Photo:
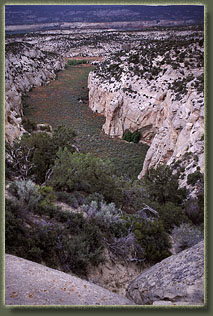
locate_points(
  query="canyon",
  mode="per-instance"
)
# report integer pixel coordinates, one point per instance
(161, 97)
(150, 82)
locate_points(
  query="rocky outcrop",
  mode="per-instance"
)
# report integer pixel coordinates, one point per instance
(177, 280)
(25, 67)
(162, 100)
(30, 283)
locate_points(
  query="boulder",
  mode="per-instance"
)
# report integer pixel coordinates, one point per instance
(175, 280)
(30, 283)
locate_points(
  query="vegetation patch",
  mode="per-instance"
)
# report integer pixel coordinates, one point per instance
(132, 137)
(74, 62)
(58, 104)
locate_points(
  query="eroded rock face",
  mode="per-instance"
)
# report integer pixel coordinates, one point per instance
(25, 67)
(114, 274)
(166, 105)
(175, 280)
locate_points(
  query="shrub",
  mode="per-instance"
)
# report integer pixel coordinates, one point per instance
(97, 197)
(34, 155)
(27, 192)
(67, 198)
(47, 193)
(136, 137)
(33, 198)
(63, 137)
(153, 239)
(194, 177)
(79, 251)
(18, 160)
(42, 154)
(87, 173)
(47, 197)
(163, 186)
(70, 243)
(14, 228)
(28, 125)
(134, 196)
(186, 236)
(132, 137)
(107, 217)
(127, 248)
(127, 136)
(171, 215)
(46, 240)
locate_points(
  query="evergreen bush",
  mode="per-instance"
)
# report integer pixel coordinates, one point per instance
(171, 215)
(132, 137)
(127, 136)
(153, 239)
(136, 137)
(162, 185)
(87, 173)
(194, 177)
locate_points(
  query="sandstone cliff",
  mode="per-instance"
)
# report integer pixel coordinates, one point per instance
(25, 67)
(156, 89)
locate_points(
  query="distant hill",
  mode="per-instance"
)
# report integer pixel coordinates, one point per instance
(40, 14)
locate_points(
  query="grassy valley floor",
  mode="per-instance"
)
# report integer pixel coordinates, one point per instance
(58, 104)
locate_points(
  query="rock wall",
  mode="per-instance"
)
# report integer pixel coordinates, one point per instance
(177, 280)
(167, 109)
(25, 67)
(170, 128)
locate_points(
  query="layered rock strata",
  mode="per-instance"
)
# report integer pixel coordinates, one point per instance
(177, 280)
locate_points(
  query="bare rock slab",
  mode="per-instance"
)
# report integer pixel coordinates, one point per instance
(175, 280)
(30, 283)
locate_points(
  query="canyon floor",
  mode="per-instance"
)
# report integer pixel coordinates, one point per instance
(64, 101)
